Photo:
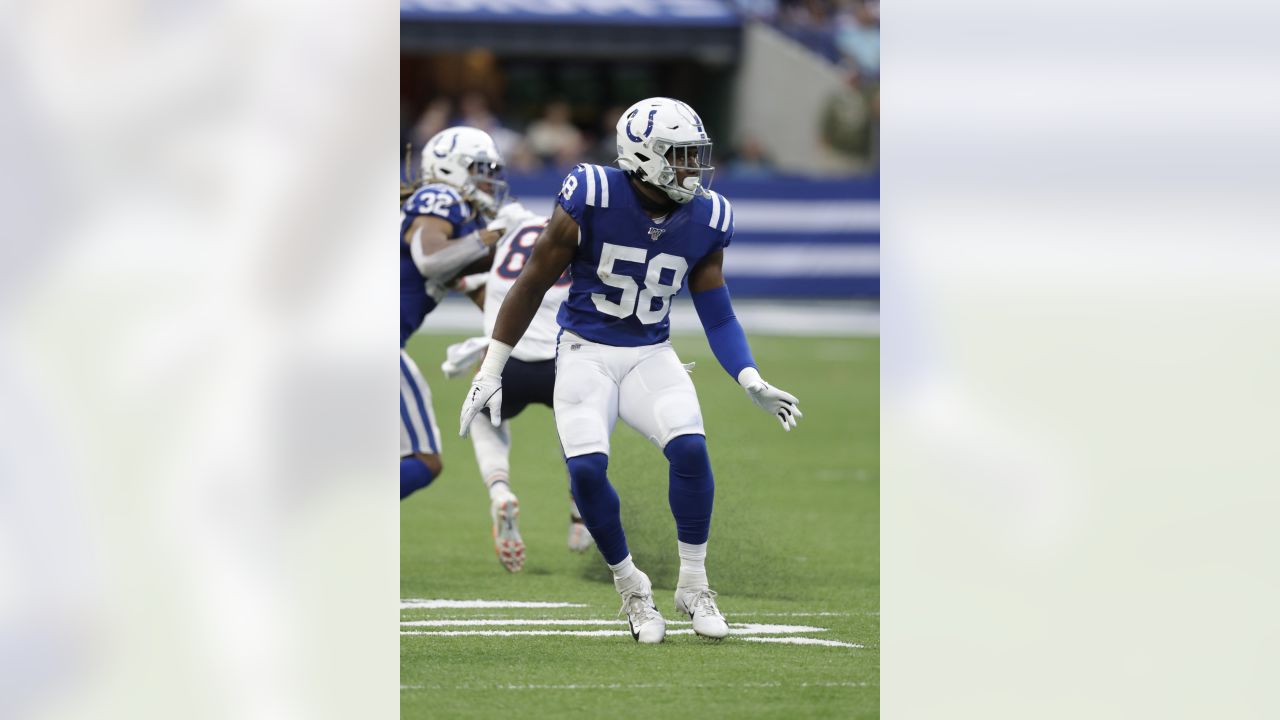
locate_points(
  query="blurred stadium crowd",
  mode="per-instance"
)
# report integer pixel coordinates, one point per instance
(548, 129)
(788, 90)
(846, 32)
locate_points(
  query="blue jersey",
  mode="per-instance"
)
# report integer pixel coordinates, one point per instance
(436, 200)
(628, 267)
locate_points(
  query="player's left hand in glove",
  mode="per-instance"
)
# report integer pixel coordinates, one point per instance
(779, 403)
(485, 392)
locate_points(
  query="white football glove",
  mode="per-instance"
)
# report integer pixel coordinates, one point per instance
(470, 283)
(485, 392)
(461, 357)
(781, 404)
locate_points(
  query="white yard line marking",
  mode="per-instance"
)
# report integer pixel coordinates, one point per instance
(801, 641)
(797, 614)
(741, 631)
(536, 633)
(636, 686)
(618, 633)
(763, 614)
(767, 629)
(410, 603)
(477, 623)
(511, 633)
(747, 628)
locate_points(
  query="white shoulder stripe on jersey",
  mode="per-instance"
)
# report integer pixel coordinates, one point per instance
(444, 190)
(591, 184)
(604, 186)
(728, 215)
(715, 210)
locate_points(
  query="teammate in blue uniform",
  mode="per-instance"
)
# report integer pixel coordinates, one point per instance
(442, 235)
(631, 237)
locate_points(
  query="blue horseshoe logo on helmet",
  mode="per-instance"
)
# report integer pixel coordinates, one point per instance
(452, 144)
(648, 129)
(697, 123)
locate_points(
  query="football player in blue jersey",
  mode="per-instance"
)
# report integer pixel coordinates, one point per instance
(442, 235)
(630, 236)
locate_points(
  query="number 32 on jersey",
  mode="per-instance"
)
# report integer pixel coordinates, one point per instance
(634, 299)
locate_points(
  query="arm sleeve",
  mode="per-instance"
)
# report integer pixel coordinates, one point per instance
(445, 203)
(724, 332)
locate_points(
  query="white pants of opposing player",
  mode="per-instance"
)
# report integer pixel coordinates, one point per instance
(646, 386)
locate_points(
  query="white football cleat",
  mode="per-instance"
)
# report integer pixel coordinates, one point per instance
(580, 539)
(647, 625)
(506, 534)
(700, 605)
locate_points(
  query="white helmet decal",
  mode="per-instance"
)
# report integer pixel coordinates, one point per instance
(441, 151)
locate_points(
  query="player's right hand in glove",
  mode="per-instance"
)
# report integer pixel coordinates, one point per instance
(782, 405)
(485, 392)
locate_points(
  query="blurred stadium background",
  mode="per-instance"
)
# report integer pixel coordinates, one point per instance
(788, 88)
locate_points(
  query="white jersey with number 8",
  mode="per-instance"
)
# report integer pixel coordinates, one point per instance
(510, 255)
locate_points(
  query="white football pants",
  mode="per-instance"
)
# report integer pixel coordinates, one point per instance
(646, 386)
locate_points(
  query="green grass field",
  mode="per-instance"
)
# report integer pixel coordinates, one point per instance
(794, 542)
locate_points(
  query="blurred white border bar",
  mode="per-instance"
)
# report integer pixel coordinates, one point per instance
(783, 216)
(802, 260)
(841, 318)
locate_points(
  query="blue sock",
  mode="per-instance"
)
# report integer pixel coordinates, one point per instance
(691, 488)
(414, 475)
(598, 503)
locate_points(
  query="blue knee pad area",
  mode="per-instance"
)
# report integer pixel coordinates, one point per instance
(414, 475)
(692, 487)
(598, 504)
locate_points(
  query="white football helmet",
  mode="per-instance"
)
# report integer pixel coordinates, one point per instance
(467, 159)
(663, 142)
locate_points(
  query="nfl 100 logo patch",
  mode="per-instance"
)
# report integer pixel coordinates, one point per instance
(655, 233)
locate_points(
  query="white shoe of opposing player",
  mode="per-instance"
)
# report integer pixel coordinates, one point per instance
(647, 625)
(506, 533)
(700, 605)
(580, 539)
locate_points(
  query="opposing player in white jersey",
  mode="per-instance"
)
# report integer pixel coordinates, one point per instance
(529, 375)
(630, 237)
(442, 235)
